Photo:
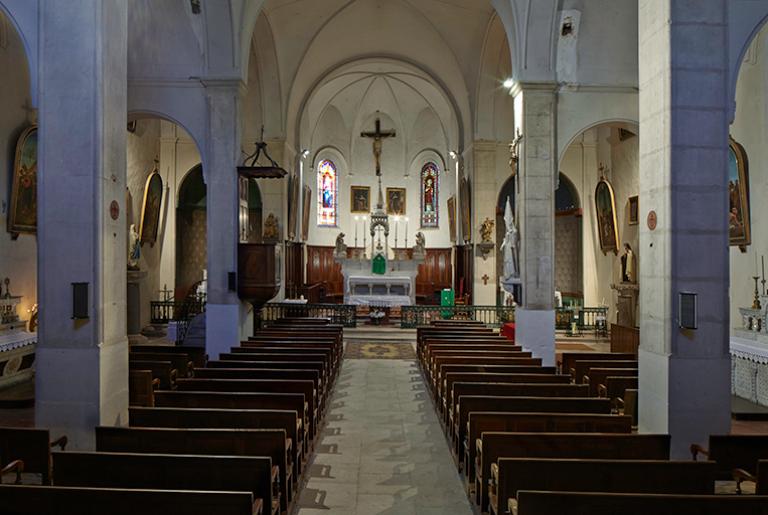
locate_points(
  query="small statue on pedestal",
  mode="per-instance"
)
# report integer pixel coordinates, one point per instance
(134, 248)
(628, 265)
(421, 243)
(270, 233)
(341, 247)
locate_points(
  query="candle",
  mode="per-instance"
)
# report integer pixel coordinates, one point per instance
(397, 219)
(756, 270)
(763, 259)
(406, 231)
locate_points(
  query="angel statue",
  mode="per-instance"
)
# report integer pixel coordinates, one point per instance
(134, 248)
(341, 247)
(509, 246)
(421, 243)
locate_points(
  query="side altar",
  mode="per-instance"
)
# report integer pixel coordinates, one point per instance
(749, 352)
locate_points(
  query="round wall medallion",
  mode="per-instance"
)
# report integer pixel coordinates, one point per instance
(114, 210)
(652, 220)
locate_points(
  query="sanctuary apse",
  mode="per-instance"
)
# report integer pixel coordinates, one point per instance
(612, 217)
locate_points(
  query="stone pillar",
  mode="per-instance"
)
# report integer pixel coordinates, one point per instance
(535, 117)
(223, 311)
(82, 365)
(484, 196)
(684, 374)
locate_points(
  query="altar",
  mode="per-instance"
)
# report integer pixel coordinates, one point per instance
(396, 287)
(749, 353)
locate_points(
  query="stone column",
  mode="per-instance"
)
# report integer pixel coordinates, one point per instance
(224, 310)
(535, 117)
(82, 365)
(684, 374)
(484, 196)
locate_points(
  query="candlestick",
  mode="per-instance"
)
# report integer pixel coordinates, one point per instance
(397, 219)
(763, 260)
(365, 234)
(406, 232)
(356, 220)
(756, 302)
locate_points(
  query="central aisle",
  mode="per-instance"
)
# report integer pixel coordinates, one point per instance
(382, 450)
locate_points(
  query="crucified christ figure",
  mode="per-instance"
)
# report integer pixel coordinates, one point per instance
(378, 136)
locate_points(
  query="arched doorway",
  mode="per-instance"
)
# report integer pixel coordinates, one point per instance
(191, 234)
(569, 268)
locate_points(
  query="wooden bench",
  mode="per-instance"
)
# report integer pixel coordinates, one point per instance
(760, 480)
(289, 354)
(443, 393)
(494, 445)
(32, 447)
(307, 388)
(511, 475)
(567, 359)
(37, 500)
(484, 368)
(271, 443)
(577, 503)
(614, 387)
(180, 360)
(170, 472)
(456, 420)
(196, 354)
(732, 452)
(164, 371)
(266, 373)
(141, 388)
(598, 376)
(478, 360)
(203, 418)
(511, 422)
(280, 357)
(314, 347)
(224, 400)
(581, 368)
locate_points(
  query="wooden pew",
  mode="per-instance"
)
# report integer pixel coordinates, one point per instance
(484, 368)
(225, 400)
(460, 389)
(465, 343)
(164, 371)
(196, 354)
(444, 391)
(567, 359)
(510, 475)
(320, 345)
(32, 447)
(38, 500)
(478, 360)
(258, 385)
(141, 388)
(170, 472)
(732, 452)
(578, 503)
(597, 377)
(272, 443)
(289, 353)
(582, 367)
(510, 422)
(760, 480)
(180, 361)
(266, 373)
(206, 418)
(494, 445)
(614, 387)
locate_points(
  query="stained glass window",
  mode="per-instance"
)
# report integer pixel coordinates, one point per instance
(430, 180)
(327, 187)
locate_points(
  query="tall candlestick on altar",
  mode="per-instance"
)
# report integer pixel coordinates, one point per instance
(365, 234)
(397, 219)
(406, 232)
(356, 220)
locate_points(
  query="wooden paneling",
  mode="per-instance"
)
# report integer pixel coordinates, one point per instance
(294, 269)
(322, 268)
(434, 274)
(624, 339)
(464, 270)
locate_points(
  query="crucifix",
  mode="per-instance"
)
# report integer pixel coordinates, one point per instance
(514, 152)
(378, 136)
(485, 279)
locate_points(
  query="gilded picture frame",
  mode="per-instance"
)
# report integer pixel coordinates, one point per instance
(605, 211)
(360, 199)
(396, 201)
(22, 217)
(465, 197)
(634, 211)
(150, 209)
(739, 219)
(293, 204)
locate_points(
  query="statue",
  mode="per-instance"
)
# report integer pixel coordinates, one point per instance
(486, 230)
(509, 247)
(341, 247)
(421, 243)
(270, 229)
(628, 265)
(134, 248)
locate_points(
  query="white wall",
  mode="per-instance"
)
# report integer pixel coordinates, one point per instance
(750, 129)
(18, 259)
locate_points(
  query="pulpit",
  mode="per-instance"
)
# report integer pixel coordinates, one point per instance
(258, 273)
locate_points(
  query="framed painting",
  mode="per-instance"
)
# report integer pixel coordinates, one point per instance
(396, 201)
(305, 218)
(360, 199)
(293, 204)
(634, 210)
(466, 209)
(150, 210)
(605, 210)
(452, 218)
(739, 223)
(23, 214)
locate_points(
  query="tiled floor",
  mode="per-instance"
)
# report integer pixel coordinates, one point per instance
(382, 450)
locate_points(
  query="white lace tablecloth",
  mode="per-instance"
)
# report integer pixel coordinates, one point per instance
(383, 301)
(16, 340)
(752, 351)
(749, 370)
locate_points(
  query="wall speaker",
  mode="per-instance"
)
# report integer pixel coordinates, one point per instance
(79, 301)
(688, 310)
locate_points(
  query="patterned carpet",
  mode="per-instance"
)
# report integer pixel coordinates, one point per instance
(379, 351)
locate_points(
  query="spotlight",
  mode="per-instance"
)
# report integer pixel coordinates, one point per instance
(305, 153)
(452, 154)
(509, 83)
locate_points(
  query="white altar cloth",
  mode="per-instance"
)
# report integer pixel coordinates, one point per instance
(16, 340)
(397, 287)
(749, 366)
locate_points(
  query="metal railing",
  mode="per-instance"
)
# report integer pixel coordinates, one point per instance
(586, 318)
(164, 311)
(492, 316)
(342, 314)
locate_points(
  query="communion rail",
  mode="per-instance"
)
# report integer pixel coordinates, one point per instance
(586, 318)
(341, 314)
(492, 316)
